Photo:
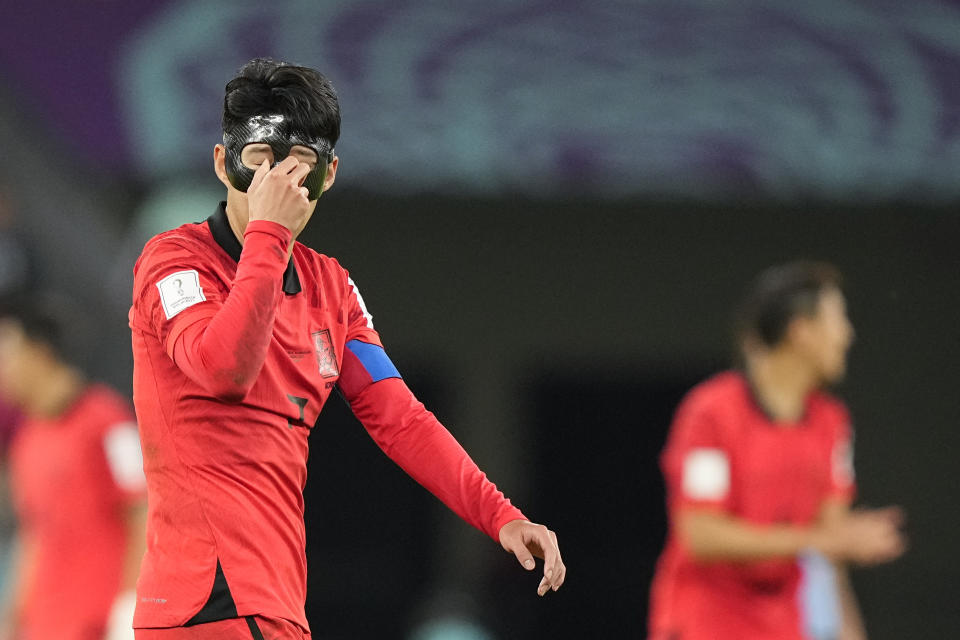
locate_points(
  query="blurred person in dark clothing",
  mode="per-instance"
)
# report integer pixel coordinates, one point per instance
(759, 470)
(76, 476)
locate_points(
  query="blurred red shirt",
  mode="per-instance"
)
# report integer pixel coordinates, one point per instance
(72, 479)
(724, 453)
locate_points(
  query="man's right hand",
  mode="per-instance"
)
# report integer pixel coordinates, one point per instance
(277, 194)
(863, 536)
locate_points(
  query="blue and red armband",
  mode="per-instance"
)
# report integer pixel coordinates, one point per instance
(364, 364)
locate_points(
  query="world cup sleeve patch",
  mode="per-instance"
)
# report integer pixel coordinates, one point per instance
(706, 474)
(326, 356)
(179, 291)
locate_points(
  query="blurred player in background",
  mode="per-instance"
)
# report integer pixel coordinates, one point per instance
(15, 276)
(240, 334)
(77, 481)
(758, 468)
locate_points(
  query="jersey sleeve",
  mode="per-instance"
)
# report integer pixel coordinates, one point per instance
(697, 462)
(112, 430)
(414, 439)
(121, 448)
(842, 482)
(409, 434)
(219, 341)
(359, 319)
(173, 288)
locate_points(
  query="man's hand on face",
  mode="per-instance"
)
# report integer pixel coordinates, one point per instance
(277, 194)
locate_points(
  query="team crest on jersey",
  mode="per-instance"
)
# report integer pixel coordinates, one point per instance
(326, 356)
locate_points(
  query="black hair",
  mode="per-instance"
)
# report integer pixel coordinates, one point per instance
(44, 319)
(780, 294)
(300, 94)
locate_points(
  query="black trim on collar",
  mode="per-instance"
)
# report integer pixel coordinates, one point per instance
(223, 234)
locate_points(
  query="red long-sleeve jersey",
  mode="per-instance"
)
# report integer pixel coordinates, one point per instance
(236, 349)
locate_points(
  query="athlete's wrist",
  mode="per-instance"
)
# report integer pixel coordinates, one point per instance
(269, 227)
(505, 518)
(821, 540)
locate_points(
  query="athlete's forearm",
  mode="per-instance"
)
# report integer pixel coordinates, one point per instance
(713, 536)
(224, 353)
(413, 438)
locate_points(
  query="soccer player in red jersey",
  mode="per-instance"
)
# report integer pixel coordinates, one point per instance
(240, 334)
(758, 468)
(77, 482)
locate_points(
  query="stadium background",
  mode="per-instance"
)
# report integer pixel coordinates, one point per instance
(551, 208)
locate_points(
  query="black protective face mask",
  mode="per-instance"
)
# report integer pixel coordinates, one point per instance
(278, 132)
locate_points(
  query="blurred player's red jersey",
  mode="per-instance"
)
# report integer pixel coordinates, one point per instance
(724, 453)
(225, 531)
(72, 477)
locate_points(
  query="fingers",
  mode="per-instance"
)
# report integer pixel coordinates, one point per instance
(560, 571)
(259, 174)
(893, 513)
(290, 170)
(896, 541)
(551, 555)
(278, 195)
(525, 558)
(553, 568)
(287, 165)
(544, 586)
(877, 538)
(295, 171)
(525, 540)
(896, 515)
(299, 173)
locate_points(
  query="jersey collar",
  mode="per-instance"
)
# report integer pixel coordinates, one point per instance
(223, 234)
(754, 398)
